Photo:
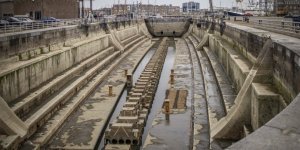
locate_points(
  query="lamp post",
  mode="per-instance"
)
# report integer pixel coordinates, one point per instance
(91, 6)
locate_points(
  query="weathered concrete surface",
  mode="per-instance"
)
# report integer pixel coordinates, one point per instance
(225, 85)
(265, 104)
(44, 61)
(29, 102)
(228, 125)
(12, 44)
(69, 65)
(282, 132)
(86, 124)
(200, 116)
(17, 79)
(10, 124)
(286, 54)
(237, 54)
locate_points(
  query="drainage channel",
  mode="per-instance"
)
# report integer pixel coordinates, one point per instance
(161, 90)
(127, 130)
(173, 131)
(136, 73)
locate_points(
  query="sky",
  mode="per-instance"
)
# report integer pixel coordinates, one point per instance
(203, 3)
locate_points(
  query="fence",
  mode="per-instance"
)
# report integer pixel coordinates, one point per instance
(287, 26)
(25, 26)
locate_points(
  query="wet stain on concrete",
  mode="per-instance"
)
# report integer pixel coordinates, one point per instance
(79, 135)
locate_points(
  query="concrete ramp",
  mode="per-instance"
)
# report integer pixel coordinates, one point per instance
(114, 39)
(189, 31)
(143, 29)
(228, 127)
(10, 124)
(203, 42)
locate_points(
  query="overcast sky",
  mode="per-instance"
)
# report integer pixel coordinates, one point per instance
(203, 3)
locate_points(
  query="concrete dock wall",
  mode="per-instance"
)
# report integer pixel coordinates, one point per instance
(15, 43)
(276, 82)
(46, 54)
(127, 33)
(248, 42)
(20, 80)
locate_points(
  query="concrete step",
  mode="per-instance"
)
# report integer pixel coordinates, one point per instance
(225, 84)
(133, 42)
(266, 103)
(128, 40)
(39, 117)
(196, 37)
(24, 106)
(44, 134)
(9, 141)
(216, 106)
(8, 68)
(14, 89)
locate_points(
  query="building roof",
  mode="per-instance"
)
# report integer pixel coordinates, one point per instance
(2, 1)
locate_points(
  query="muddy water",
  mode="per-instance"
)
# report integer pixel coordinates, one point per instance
(136, 73)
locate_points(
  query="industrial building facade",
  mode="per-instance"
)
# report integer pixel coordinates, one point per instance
(190, 7)
(145, 9)
(37, 9)
(63, 9)
(285, 7)
(6, 8)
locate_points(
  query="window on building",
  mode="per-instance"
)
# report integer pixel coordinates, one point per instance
(31, 14)
(38, 15)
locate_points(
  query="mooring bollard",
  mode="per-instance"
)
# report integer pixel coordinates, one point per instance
(167, 106)
(110, 90)
(126, 72)
(172, 71)
(167, 109)
(172, 78)
(129, 81)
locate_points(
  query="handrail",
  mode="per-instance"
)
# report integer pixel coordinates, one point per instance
(19, 27)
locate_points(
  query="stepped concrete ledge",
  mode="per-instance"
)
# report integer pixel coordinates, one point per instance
(45, 134)
(61, 88)
(15, 78)
(38, 116)
(126, 41)
(98, 107)
(11, 67)
(288, 41)
(225, 84)
(25, 104)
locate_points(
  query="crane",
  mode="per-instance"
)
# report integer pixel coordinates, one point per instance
(212, 9)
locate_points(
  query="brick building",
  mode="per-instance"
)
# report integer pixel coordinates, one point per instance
(166, 10)
(145, 10)
(6, 8)
(103, 11)
(121, 9)
(284, 7)
(37, 9)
